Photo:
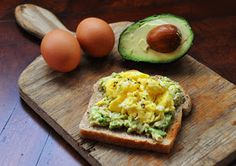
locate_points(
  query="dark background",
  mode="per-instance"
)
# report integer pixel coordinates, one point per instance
(25, 139)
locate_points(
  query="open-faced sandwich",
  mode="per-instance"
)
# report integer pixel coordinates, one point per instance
(136, 110)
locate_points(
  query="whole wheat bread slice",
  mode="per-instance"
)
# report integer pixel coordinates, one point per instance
(132, 140)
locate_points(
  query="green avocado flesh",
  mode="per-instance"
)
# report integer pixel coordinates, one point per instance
(103, 117)
(133, 45)
(100, 117)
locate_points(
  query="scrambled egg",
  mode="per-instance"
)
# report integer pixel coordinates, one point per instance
(138, 95)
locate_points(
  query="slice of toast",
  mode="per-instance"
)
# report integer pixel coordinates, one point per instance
(132, 140)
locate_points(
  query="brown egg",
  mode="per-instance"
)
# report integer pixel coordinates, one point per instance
(95, 37)
(61, 50)
(164, 38)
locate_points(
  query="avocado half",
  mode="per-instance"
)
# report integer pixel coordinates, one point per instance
(133, 46)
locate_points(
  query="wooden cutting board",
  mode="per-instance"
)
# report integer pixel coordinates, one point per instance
(208, 134)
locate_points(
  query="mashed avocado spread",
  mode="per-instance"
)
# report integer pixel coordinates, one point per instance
(137, 102)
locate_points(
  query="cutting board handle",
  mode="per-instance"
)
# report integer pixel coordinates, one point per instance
(37, 20)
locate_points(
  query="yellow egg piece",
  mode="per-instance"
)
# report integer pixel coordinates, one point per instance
(138, 95)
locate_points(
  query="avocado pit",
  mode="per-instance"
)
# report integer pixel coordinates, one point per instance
(164, 38)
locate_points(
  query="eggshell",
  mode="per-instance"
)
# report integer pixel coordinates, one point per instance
(95, 37)
(61, 50)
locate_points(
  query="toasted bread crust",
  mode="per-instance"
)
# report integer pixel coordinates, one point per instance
(131, 140)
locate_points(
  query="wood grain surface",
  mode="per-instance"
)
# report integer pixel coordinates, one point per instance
(21, 129)
(208, 135)
(37, 20)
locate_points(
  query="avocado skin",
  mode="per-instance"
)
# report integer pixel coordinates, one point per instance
(143, 21)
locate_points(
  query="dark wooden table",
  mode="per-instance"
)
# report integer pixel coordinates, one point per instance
(25, 139)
